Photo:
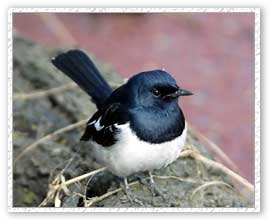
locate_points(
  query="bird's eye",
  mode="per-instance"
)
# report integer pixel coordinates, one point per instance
(156, 92)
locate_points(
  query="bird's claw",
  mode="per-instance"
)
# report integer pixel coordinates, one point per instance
(152, 186)
(131, 198)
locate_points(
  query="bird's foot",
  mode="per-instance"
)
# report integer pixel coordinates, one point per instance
(152, 186)
(132, 199)
(154, 189)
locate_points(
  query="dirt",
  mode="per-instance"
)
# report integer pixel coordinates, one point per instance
(37, 117)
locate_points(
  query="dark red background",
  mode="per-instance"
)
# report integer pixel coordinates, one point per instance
(211, 54)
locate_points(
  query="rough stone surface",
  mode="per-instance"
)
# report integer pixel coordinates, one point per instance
(35, 118)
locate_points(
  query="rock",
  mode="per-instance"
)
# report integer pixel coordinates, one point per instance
(34, 118)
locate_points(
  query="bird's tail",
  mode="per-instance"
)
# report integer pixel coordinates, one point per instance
(78, 66)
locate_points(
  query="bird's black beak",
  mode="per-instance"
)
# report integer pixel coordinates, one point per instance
(183, 92)
(180, 92)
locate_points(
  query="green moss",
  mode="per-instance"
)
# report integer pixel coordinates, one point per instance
(28, 197)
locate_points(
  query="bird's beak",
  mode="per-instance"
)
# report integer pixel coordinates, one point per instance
(180, 92)
(183, 92)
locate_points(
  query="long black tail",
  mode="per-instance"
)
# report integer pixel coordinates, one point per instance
(78, 66)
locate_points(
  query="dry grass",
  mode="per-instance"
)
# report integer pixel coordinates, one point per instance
(59, 184)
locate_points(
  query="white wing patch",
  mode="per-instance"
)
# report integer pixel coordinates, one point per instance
(92, 122)
(97, 125)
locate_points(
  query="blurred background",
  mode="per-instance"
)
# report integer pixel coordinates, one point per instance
(211, 54)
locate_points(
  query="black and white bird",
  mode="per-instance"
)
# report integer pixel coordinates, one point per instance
(138, 126)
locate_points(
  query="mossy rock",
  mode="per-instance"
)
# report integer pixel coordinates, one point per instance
(37, 117)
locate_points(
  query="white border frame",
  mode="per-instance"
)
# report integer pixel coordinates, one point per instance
(133, 10)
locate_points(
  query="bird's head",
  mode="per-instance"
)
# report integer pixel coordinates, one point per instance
(155, 88)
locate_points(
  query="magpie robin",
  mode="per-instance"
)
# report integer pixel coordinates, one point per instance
(138, 126)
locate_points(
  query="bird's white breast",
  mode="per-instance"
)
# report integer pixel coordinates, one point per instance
(130, 154)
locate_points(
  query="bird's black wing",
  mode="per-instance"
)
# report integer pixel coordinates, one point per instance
(102, 127)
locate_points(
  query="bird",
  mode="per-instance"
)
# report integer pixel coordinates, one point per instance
(139, 126)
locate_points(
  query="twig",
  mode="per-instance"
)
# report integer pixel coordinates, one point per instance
(57, 200)
(244, 187)
(49, 136)
(210, 145)
(42, 93)
(53, 91)
(51, 192)
(84, 176)
(64, 185)
(208, 184)
(86, 187)
(94, 200)
(56, 186)
(177, 178)
(59, 186)
(202, 186)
